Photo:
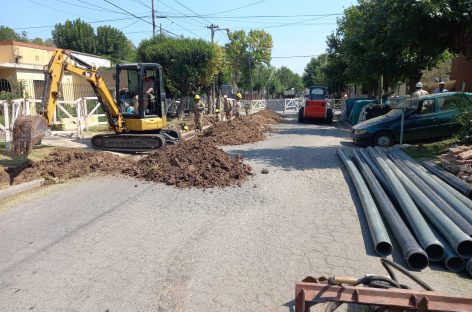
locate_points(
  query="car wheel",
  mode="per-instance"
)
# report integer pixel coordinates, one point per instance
(383, 139)
(329, 116)
(300, 115)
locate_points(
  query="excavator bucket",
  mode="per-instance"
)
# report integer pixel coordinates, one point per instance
(27, 132)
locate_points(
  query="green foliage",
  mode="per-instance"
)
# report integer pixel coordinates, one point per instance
(289, 79)
(37, 41)
(464, 103)
(80, 36)
(244, 52)
(189, 64)
(7, 33)
(113, 42)
(15, 92)
(314, 73)
(398, 39)
(430, 150)
(75, 35)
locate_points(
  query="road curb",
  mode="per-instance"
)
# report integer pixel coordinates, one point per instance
(15, 189)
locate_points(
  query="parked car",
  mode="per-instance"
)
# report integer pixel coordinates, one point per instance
(429, 117)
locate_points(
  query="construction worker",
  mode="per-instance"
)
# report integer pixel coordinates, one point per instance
(198, 109)
(441, 88)
(237, 105)
(419, 90)
(227, 107)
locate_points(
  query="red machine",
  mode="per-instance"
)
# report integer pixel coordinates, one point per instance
(317, 106)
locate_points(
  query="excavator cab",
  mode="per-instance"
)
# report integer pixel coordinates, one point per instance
(136, 114)
(140, 91)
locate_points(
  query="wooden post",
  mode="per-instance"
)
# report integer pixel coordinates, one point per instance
(7, 127)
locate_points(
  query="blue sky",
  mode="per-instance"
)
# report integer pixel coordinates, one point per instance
(301, 31)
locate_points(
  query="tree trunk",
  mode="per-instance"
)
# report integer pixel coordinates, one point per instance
(413, 78)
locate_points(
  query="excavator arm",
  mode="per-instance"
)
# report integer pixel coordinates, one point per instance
(29, 130)
(54, 71)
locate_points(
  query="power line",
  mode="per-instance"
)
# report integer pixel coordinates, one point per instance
(144, 4)
(92, 22)
(256, 16)
(235, 9)
(295, 56)
(127, 12)
(54, 9)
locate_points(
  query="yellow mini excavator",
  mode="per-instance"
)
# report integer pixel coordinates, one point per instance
(137, 114)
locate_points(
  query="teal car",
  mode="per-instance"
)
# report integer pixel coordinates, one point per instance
(429, 117)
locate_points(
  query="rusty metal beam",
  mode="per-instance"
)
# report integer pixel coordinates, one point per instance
(415, 300)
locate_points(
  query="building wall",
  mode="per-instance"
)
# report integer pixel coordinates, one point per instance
(6, 54)
(461, 72)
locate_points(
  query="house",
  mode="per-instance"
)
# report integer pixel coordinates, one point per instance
(461, 72)
(22, 63)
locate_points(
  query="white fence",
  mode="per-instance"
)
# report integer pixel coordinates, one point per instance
(79, 114)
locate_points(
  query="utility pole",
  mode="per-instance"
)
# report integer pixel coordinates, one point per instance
(153, 19)
(213, 29)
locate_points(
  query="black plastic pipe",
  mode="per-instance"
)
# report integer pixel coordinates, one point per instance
(378, 174)
(456, 200)
(450, 212)
(378, 232)
(451, 260)
(414, 255)
(462, 186)
(418, 225)
(468, 266)
(460, 241)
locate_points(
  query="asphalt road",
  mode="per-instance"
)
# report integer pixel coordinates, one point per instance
(118, 244)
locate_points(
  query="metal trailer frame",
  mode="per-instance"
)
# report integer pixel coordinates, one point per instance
(308, 294)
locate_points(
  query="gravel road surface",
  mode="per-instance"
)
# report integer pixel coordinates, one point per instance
(118, 244)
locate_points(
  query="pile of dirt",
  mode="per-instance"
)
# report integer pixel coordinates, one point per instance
(4, 177)
(238, 131)
(266, 116)
(192, 163)
(67, 163)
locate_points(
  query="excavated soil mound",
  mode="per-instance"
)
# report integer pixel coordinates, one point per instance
(266, 116)
(4, 177)
(192, 163)
(66, 163)
(236, 132)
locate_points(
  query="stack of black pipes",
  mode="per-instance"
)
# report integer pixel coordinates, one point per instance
(428, 210)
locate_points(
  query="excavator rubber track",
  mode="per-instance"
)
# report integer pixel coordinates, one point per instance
(27, 132)
(135, 142)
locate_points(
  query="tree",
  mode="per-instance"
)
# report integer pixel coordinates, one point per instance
(189, 64)
(384, 37)
(7, 33)
(37, 41)
(244, 52)
(75, 35)
(112, 42)
(49, 43)
(289, 80)
(314, 73)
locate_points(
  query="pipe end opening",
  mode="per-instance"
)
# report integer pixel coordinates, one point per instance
(464, 249)
(455, 264)
(418, 261)
(384, 249)
(435, 252)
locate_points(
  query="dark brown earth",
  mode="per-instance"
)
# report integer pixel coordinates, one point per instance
(4, 177)
(243, 130)
(192, 163)
(66, 163)
(235, 132)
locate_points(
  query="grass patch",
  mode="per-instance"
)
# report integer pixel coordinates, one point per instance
(8, 159)
(430, 150)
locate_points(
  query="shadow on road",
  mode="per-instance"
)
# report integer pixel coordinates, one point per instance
(293, 157)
